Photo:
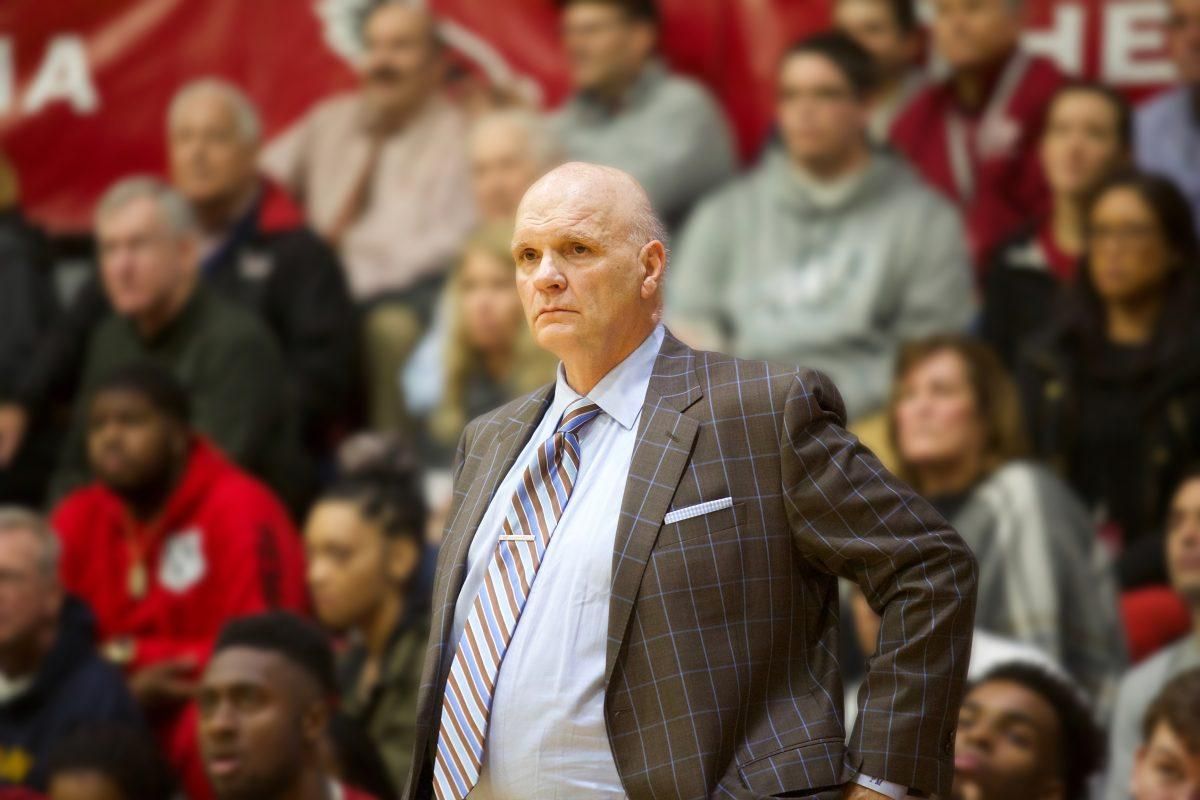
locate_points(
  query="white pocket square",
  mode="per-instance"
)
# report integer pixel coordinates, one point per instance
(708, 507)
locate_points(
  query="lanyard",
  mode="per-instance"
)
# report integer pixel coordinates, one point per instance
(990, 123)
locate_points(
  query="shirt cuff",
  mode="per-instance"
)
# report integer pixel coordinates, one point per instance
(893, 790)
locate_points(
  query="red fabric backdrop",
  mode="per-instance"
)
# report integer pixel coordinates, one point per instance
(84, 84)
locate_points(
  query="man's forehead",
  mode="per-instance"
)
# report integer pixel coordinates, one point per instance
(547, 214)
(245, 666)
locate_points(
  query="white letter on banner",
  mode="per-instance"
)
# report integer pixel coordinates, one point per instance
(1063, 41)
(1133, 44)
(63, 75)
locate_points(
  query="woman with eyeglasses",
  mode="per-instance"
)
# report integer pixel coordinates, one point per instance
(1112, 389)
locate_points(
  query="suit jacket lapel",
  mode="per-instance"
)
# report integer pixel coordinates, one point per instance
(664, 444)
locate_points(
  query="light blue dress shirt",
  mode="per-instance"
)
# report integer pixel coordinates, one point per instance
(546, 735)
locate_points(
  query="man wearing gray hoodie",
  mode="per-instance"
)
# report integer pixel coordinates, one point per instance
(828, 254)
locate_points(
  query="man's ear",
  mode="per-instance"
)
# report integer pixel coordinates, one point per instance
(315, 721)
(401, 556)
(653, 259)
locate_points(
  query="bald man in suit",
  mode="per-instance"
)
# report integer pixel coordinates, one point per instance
(637, 590)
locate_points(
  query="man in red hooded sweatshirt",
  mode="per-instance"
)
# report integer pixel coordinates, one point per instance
(170, 543)
(974, 135)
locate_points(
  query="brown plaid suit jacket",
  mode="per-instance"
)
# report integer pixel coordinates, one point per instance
(722, 673)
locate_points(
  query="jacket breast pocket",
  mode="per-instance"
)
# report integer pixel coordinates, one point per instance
(704, 525)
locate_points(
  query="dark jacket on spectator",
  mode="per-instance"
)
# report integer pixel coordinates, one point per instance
(1023, 281)
(28, 308)
(275, 265)
(234, 374)
(388, 710)
(1120, 424)
(73, 686)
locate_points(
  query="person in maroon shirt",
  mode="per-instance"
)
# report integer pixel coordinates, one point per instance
(1088, 135)
(265, 702)
(974, 135)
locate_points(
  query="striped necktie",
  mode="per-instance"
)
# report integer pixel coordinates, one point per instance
(533, 512)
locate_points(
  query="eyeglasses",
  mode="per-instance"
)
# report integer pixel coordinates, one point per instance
(1124, 234)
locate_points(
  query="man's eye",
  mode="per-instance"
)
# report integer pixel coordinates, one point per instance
(528, 255)
(579, 249)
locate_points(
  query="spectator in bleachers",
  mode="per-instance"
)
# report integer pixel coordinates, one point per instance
(29, 307)
(956, 427)
(52, 680)
(225, 357)
(169, 543)
(828, 254)
(1112, 389)
(352, 758)
(256, 248)
(1025, 733)
(974, 135)
(488, 356)
(891, 32)
(509, 149)
(1140, 686)
(265, 702)
(1168, 127)
(365, 539)
(1087, 136)
(109, 762)
(383, 174)
(629, 111)
(1167, 764)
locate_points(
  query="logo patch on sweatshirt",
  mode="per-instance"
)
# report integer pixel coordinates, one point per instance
(181, 565)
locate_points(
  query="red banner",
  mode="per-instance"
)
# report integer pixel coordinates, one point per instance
(84, 84)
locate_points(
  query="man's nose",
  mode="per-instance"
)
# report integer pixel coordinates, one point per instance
(547, 276)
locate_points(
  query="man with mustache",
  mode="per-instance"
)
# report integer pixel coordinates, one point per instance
(382, 173)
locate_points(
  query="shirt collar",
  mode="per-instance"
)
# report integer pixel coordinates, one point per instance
(622, 392)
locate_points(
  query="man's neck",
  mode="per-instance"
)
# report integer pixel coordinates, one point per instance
(25, 659)
(149, 502)
(973, 85)
(220, 213)
(155, 320)
(614, 92)
(383, 121)
(831, 170)
(311, 784)
(587, 370)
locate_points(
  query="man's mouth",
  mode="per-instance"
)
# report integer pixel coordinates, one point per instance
(224, 764)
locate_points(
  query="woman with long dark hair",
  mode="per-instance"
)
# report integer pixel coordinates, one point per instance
(1112, 389)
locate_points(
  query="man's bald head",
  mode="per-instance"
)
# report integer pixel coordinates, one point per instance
(590, 263)
(612, 192)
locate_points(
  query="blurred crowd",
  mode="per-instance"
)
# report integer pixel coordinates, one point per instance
(226, 453)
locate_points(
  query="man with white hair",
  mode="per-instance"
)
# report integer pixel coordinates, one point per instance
(679, 641)
(382, 175)
(255, 249)
(148, 243)
(509, 149)
(52, 680)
